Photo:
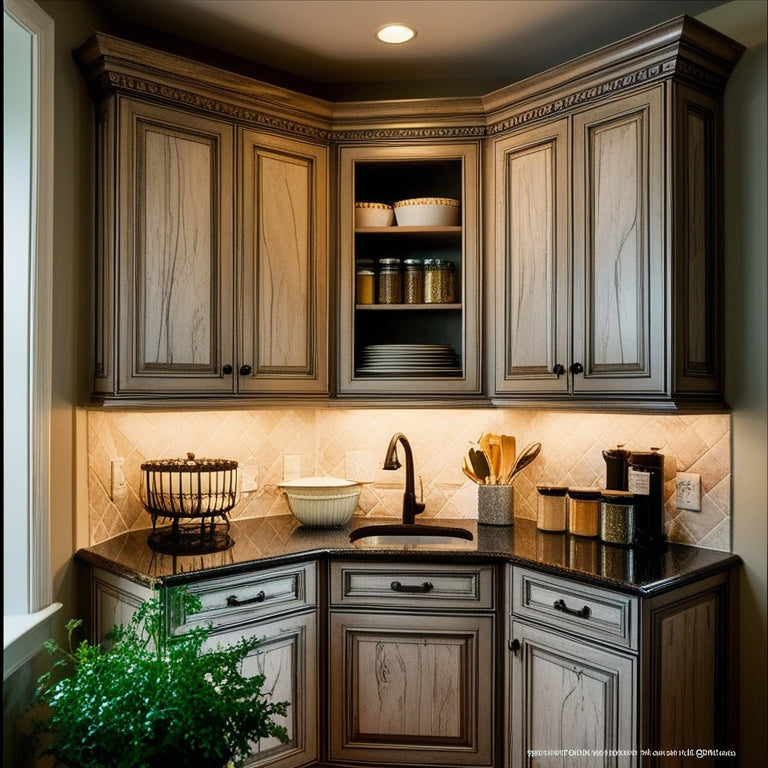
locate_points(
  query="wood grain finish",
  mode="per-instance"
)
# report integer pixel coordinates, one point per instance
(411, 689)
(569, 695)
(284, 258)
(532, 288)
(619, 302)
(176, 250)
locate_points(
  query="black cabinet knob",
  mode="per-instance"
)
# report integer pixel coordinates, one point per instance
(514, 646)
(227, 369)
(577, 368)
(558, 369)
(245, 370)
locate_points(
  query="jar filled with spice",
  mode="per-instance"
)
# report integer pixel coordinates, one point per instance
(583, 511)
(439, 282)
(551, 509)
(617, 517)
(413, 281)
(390, 282)
(365, 281)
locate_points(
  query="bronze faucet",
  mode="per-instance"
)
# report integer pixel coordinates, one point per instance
(411, 507)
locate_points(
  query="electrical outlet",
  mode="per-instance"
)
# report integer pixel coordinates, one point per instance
(688, 485)
(117, 485)
(291, 466)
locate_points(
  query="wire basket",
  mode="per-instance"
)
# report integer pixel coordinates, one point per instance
(189, 488)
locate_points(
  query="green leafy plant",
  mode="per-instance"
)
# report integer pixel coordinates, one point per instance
(153, 699)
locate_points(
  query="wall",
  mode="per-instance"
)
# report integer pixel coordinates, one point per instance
(746, 288)
(351, 443)
(746, 202)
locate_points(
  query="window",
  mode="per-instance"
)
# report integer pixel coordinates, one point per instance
(27, 253)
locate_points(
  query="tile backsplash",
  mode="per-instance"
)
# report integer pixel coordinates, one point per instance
(352, 442)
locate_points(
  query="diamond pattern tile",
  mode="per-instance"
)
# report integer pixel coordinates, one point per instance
(571, 454)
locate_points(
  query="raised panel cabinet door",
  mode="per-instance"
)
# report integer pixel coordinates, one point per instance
(284, 319)
(174, 297)
(412, 690)
(531, 275)
(287, 657)
(620, 291)
(572, 703)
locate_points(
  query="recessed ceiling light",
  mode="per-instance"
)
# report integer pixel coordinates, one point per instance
(395, 33)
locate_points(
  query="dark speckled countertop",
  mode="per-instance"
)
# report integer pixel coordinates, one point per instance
(270, 541)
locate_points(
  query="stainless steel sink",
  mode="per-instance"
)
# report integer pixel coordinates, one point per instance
(412, 536)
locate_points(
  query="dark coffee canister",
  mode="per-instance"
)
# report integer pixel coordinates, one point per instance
(616, 461)
(645, 478)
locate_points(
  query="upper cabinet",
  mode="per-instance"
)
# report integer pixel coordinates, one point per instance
(212, 268)
(604, 226)
(416, 330)
(584, 267)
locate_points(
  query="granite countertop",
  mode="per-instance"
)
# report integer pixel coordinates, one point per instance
(269, 541)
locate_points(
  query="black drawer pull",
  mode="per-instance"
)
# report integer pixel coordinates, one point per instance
(582, 613)
(232, 599)
(396, 586)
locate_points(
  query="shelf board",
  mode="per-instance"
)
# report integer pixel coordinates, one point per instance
(395, 230)
(388, 307)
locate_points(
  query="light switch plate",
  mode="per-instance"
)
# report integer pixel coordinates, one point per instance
(360, 466)
(688, 486)
(291, 466)
(117, 484)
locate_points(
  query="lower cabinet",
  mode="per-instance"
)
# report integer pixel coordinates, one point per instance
(601, 678)
(279, 606)
(411, 682)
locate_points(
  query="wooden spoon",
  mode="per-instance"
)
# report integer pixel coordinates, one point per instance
(479, 464)
(508, 455)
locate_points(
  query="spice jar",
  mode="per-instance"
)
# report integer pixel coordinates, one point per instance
(365, 281)
(413, 281)
(551, 510)
(583, 511)
(390, 282)
(617, 517)
(439, 282)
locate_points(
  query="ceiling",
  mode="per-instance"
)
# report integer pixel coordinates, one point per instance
(327, 47)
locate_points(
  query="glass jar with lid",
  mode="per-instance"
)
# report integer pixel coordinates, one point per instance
(390, 282)
(413, 281)
(439, 282)
(584, 511)
(551, 511)
(365, 281)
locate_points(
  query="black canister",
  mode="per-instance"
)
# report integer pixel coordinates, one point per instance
(616, 461)
(645, 478)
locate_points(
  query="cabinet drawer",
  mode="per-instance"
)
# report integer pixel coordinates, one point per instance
(406, 585)
(247, 597)
(592, 612)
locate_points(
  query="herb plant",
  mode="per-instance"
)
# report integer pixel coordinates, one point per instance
(153, 699)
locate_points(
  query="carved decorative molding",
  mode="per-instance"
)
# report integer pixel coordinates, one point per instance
(123, 82)
(436, 132)
(585, 96)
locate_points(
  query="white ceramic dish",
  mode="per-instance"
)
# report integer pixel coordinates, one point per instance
(322, 502)
(374, 215)
(427, 212)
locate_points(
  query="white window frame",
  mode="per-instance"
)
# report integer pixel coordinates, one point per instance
(23, 632)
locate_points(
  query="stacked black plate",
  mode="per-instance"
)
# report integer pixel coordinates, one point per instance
(409, 360)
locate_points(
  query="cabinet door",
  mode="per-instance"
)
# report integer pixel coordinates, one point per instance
(287, 656)
(531, 279)
(424, 348)
(411, 689)
(571, 702)
(620, 292)
(174, 293)
(284, 265)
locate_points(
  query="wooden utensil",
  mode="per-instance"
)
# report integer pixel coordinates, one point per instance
(508, 455)
(469, 472)
(530, 452)
(479, 464)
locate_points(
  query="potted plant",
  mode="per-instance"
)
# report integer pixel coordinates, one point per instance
(153, 699)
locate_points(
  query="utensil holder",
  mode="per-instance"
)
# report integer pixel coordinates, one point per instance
(495, 505)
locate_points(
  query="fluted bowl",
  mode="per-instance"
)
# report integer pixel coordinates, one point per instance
(322, 502)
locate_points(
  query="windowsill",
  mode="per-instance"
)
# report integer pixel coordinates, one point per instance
(24, 635)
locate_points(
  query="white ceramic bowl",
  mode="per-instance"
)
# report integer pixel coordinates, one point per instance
(374, 215)
(427, 212)
(322, 502)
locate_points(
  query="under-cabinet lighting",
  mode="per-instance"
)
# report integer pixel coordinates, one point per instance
(395, 33)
